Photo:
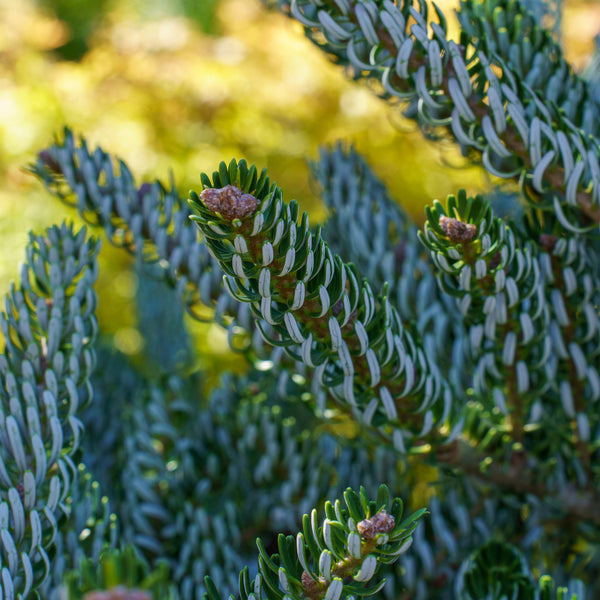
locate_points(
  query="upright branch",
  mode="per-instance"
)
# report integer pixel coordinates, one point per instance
(533, 344)
(336, 559)
(49, 329)
(312, 304)
(499, 288)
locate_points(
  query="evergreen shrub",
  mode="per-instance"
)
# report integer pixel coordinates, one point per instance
(428, 400)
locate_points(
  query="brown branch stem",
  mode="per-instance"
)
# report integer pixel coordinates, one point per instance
(519, 476)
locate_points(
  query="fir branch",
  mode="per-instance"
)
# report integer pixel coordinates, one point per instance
(336, 559)
(500, 291)
(148, 221)
(505, 295)
(49, 327)
(476, 98)
(316, 307)
(508, 31)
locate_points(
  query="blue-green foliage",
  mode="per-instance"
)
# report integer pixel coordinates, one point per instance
(548, 13)
(458, 365)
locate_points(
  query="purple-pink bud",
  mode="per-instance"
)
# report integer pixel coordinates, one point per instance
(456, 230)
(382, 522)
(230, 202)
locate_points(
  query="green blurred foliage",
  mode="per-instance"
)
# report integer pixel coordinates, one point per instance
(174, 87)
(204, 13)
(80, 17)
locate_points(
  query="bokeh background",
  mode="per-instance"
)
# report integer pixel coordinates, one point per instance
(175, 86)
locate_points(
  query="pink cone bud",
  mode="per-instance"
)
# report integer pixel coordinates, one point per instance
(458, 231)
(230, 202)
(382, 522)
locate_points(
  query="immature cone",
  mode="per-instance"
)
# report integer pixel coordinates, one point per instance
(382, 522)
(46, 157)
(456, 230)
(548, 241)
(230, 202)
(118, 593)
(308, 583)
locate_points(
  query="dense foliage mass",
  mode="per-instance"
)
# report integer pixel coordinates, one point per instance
(380, 358)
